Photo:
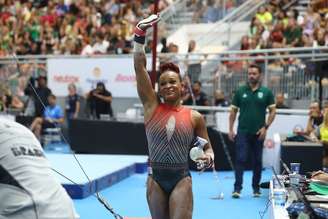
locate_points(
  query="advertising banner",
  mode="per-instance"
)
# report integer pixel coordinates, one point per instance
(116, 73)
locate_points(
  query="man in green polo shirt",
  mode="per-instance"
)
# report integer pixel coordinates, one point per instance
(252, 100)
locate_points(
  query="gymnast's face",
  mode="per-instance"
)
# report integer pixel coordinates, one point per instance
(170, 86)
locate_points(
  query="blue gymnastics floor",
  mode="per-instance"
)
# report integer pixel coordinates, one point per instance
(128, 198)
(127, 193)
(102, 170)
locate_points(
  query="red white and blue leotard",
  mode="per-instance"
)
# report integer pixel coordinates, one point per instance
(170, 134)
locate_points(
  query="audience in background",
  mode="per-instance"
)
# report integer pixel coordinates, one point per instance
(39, 96)
(280, 101)
(198, 97)
(99, 101)
(69, 27)
(275, 27)
(72, 103)
(193, 62)
(322, 135)
(52, 117)
(315, 118)
(10, 102)
(220, 99)
(210, 11)
(164, 46)
(187, 95)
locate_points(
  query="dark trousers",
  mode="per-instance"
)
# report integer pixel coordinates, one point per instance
(246, 143)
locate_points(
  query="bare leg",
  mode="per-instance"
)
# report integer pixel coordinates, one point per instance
(181, 200)
(37, 131)
(36, 126)
(157, 200)
(36, 121)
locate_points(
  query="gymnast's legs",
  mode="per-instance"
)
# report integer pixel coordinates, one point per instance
(181, 200)
(157, 200)
(177, 205)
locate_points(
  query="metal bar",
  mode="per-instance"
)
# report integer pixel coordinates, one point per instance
(230, 52)
(154, 52)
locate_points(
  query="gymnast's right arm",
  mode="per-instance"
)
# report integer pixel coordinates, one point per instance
(145, 91)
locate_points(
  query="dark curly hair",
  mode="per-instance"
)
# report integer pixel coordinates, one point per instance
(169, 66)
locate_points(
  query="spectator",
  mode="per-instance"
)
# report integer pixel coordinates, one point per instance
(72, 102)
(61, 27)
(292, 34)
(100, 101)
(255, 23)
(311, 20)
(52, 117)
(86, 48)
(211, 13)
(164, 46)
(42, 92)
(264, 16)
(220, 99)
(10, 102)
(244, 43)
(320, 37)
(198, 97)
(101, 45)
(280, 101)
(199, 8)
(187, 95)
(277, 36)
(307, 40)
(315, 118)
(193, 62)
(322, 135)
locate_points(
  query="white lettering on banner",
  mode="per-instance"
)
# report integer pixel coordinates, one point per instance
(116, 73)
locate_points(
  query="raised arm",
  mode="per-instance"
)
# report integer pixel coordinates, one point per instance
(145, 90)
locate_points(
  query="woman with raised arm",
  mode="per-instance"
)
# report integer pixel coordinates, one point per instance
(170, 129)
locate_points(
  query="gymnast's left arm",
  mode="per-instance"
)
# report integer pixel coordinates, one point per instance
(201, 131)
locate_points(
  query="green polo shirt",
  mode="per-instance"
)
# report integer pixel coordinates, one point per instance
(252, 106)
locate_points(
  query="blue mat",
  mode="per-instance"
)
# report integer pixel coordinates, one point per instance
(128, 198)
(103, 171)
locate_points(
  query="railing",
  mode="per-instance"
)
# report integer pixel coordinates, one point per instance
(289, 71)
(168, 15)
(239, 14)
(292, 71)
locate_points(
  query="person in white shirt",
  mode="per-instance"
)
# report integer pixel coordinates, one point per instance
(101, 45)
(28, 186)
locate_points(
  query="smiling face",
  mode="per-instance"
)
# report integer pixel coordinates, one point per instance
(170, 87)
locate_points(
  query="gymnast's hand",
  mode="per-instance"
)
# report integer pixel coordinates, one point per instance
(207, 159)
(144, 24)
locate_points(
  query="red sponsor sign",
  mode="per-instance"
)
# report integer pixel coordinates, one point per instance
(66, 79)
(125, 78)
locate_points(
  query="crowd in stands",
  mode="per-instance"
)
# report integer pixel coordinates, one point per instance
(210, 11)
(275, 27)
(84, 27)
